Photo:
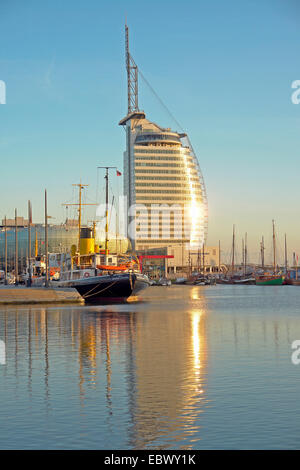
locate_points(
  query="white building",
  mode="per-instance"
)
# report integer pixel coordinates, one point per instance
(166, 198)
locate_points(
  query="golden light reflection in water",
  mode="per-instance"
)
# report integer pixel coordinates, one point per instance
(199, 347)
(171, 361)
(195, 293)
(196, 338)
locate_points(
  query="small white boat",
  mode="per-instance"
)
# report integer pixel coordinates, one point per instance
(164, 282)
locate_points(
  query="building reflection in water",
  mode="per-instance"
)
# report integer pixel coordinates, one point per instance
(171, 359)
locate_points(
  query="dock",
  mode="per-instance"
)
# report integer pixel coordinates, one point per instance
(38, 295)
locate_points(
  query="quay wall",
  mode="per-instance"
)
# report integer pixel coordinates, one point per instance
(38, 295)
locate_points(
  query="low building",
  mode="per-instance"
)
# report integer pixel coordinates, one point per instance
(19, 221)
(176, 261)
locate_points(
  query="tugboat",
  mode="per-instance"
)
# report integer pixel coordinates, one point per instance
(99, 277)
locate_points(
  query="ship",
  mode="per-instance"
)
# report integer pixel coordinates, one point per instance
(270, 279)
(97, 282)
(99, 275)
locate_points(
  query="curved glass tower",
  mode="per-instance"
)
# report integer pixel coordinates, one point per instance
(165, 191)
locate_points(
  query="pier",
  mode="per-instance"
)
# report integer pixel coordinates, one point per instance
(37, 295)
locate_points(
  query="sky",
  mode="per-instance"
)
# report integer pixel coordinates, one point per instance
(224, 69)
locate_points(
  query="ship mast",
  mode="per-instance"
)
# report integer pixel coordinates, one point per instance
(246, 254)
(243, 255)
(5, 250)
(79, 204)
(219, 258)
(262, 253)
(29, 243)
(107, 168)
(46, 243)
(80, 186)
(285, 254)
(16, 250)
(274, 248)
(233, 247)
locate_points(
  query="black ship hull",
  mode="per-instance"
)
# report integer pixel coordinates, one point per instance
(115, 287)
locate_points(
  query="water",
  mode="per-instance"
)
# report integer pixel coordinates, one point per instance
(186, 368)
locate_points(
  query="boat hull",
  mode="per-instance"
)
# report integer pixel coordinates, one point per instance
(270, 281)
(245, 281)
(115, 287)
(293, 282)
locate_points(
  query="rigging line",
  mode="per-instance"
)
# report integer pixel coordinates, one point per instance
(160, 100)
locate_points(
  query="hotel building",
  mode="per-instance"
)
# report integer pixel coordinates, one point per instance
(166, 198)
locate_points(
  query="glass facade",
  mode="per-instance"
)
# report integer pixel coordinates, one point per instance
(60, 239)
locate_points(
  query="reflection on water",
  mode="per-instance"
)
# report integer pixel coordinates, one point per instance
(188, 367)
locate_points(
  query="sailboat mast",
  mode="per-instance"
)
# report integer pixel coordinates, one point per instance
(29, 243)
(243, 255)
(16, 249)
(246, 254)
(106, 215)
(5, 250)
(233, 248)
(219, 261)
(46, 243)
(262, 253)
(79, 217)
(285, 254)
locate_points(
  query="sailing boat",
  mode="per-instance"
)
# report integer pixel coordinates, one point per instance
(100, 276)
(269, 279)
(245, 279)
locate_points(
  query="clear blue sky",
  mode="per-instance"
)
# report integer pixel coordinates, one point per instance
(224, 69)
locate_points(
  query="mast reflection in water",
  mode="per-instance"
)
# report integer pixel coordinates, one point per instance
(187, 368)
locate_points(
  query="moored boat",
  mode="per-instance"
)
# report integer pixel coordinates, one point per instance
(244, 280)
(269, 280)
(96, 281)
(100, 275)
(162, 282)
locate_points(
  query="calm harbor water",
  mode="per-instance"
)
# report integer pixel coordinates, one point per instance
(184, 368)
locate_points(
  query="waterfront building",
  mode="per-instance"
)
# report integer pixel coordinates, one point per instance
(176, 261)
(166, 197)
(19, 221)
(60, 240)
